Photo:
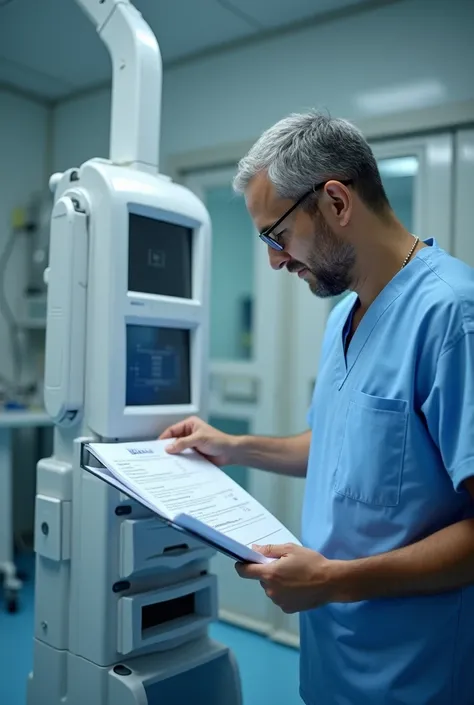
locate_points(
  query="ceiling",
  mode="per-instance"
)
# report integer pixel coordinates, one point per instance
(49, 49)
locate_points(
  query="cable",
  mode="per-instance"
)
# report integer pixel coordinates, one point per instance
(5, 309)
(7, 384)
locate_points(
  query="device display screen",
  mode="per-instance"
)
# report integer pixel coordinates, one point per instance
(159, 257)
(158, 366)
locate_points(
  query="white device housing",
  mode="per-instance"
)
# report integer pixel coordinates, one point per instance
(114, 193)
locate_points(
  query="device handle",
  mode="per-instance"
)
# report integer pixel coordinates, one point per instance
(66, 313)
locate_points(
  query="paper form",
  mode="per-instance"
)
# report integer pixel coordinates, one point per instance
(191, 491)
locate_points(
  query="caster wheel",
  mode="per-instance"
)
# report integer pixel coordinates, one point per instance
(12, 605)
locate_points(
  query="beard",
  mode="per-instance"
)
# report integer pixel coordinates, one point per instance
(330, 263)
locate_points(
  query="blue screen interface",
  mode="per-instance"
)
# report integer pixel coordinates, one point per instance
(158, 366)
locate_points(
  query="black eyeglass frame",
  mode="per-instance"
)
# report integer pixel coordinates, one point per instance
(266, 235)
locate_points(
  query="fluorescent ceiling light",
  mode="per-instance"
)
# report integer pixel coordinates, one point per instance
(399, 166)
(467, 152)
(401, 97)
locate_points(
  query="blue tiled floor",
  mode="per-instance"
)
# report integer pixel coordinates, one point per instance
(269, 671)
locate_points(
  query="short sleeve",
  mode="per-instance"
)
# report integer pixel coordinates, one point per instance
(449, 408)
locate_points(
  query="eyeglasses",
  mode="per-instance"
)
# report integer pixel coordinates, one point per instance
(266, 234)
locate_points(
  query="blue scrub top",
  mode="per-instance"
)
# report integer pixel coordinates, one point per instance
(392, 441)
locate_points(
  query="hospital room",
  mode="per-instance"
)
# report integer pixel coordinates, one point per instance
(236, 350)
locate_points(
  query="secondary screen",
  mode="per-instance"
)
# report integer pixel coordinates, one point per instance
(158, 366)
(159, 257)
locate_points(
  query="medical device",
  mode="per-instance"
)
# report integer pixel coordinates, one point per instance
(123, 602)
(38, 218)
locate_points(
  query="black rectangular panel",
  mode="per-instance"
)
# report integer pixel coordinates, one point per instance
(162, 612)
(159, 257)
(158, 366)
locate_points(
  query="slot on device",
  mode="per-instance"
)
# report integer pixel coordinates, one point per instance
(179, 548)
(170, 550)
(159, 613)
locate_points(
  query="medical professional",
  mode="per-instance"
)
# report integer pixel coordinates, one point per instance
(384, 582)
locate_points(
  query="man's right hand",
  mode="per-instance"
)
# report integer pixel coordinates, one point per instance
(194, 433)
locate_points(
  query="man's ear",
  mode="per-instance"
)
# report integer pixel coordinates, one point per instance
(336, 203)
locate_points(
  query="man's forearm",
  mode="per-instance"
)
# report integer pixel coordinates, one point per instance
(443, 561)
(287, 456)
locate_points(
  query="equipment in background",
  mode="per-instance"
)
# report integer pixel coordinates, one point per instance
(20, 403)
(37, 424)
(39, 222)
(123, 602)
(246, 327)
(26, 325)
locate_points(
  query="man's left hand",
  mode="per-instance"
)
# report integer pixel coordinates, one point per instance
(299, 580)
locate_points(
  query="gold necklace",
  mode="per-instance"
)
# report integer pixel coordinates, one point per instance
(407, 258)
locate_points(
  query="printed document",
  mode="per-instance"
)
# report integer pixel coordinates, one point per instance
(192, 494)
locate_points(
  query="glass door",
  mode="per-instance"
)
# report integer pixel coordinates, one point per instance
(247, 301)
(416, 173)
(463, 246)
(417, 176)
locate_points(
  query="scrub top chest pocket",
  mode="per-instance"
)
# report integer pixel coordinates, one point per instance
(370, 464)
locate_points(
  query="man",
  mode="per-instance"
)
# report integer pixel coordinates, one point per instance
(384, 581)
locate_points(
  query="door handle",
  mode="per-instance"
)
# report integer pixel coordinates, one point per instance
(241, 389)
(312, 384)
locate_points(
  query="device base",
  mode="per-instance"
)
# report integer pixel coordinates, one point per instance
(202, 670)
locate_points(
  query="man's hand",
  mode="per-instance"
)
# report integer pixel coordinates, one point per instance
(299, 580)
(194, 433)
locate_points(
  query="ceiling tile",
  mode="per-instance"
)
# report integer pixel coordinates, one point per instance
(277, 13)
(184, 27)
(35, 84)
(55, 39)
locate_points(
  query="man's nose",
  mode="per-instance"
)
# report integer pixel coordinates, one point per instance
(278, 258)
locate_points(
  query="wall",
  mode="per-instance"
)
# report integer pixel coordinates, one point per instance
(81, 130)
(399, 57)
(23, 139)
(23, 142)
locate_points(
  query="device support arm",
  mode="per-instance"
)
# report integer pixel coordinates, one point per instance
(136, 82)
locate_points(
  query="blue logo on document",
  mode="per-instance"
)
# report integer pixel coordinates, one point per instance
(139, 451)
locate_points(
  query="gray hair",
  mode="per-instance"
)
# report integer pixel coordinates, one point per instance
(303, 150)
